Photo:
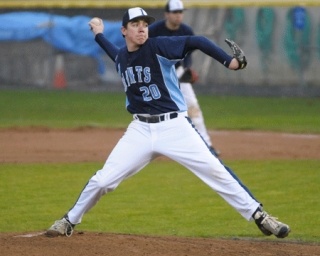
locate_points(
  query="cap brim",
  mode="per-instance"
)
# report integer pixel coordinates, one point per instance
(146, 18)
(178, 10)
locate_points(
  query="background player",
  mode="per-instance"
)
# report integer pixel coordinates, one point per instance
(172, 25)
(161, 125)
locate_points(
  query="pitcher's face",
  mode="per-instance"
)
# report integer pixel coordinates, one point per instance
(136, 32)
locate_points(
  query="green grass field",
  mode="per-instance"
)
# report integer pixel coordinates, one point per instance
(73, 109)
(164, 198)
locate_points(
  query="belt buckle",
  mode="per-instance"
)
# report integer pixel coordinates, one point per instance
(153, 119)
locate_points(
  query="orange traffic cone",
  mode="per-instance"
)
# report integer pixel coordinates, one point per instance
(59, 79)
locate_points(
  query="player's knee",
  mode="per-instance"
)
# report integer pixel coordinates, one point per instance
(104, 184)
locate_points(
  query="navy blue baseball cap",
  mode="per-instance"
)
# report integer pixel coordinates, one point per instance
(135, 14)
(174, 6)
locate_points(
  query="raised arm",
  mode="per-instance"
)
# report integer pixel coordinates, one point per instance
(235, 62)
(97, 27)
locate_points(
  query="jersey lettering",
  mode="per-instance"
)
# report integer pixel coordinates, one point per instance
(124, 83)
(151, 92)
(130, 75)
(145, 93)
(139, 73)
(147, 75)
(127, 78)
(154, 90)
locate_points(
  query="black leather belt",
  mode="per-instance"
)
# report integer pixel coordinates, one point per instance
(156, 119)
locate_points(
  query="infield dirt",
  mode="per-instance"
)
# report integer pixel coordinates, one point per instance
(26, 145)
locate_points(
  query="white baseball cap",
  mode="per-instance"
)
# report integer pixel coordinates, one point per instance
(174, 5)
(136, 13)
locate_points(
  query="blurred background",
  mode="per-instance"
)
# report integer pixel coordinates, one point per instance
(48, 44)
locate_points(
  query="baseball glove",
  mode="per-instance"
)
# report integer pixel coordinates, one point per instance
(237, 53)
(189, 76)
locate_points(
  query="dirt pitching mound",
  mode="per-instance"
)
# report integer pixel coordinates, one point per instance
(29, 145)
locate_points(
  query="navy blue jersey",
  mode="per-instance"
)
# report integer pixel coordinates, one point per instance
(159, 28)
(148, 74)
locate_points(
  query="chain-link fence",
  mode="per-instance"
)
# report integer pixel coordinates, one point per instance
(282, 45)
